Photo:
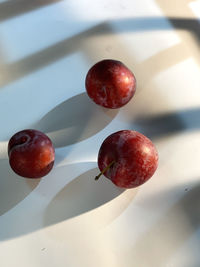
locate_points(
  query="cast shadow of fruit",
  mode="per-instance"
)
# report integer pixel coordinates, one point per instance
(74, 120)
(84, 194)
(69, 191)
(13, 189)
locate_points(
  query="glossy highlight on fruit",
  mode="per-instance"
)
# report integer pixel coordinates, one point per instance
(31, 153)
(132, 158)
(109, 83)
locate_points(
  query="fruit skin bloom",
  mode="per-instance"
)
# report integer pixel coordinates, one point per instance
(31, 153)
(109, 83)
(135, 158)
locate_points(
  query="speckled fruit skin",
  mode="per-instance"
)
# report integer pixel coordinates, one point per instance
(109, 83)
(135, 156)
(31, 153)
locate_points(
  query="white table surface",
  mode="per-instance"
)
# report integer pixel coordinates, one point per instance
(66, 218)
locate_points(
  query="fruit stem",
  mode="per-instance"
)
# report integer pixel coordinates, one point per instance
(104, 170)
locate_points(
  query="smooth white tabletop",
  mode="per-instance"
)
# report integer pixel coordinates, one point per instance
(67, 218)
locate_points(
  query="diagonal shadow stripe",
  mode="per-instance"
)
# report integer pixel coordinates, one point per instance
(170, 123)
(38, 60)
(13, 8)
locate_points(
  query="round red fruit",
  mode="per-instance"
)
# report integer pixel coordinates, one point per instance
(31, 153)
(130, 156)
(109, 83)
